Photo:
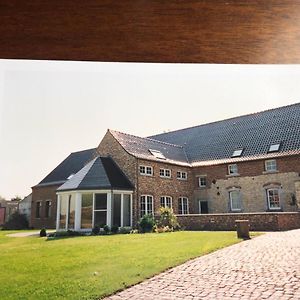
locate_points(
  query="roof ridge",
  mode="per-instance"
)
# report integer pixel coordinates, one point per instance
(219, 121)
(147, 138)
(83, 150)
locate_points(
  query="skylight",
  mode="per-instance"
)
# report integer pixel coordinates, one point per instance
(157, 154)
(71, 175)
(237, 152)
(274, 147)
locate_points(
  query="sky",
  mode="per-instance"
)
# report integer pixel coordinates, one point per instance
(49, 109)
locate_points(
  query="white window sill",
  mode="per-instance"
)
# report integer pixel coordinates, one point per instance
(184, 179)
(165, 177)
(270, 172)
(233, 175)
(147, 175)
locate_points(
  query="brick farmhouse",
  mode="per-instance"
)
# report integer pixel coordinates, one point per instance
(247, 167)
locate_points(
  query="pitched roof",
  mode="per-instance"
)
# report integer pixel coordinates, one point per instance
(254, 133)
(140, 147)
(100, 173)
(71, 165)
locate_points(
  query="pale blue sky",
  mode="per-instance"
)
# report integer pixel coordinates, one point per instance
(50, 109)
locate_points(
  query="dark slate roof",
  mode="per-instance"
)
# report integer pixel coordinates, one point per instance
(139, 147)
(71, 165)
(100, 173)
(254, 132)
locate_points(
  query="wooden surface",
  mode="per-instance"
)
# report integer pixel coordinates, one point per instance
(208, 31)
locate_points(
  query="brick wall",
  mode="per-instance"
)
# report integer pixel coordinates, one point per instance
(258, 221)
(42, 194)
(252, 183)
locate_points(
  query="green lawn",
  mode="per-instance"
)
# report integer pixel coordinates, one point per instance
(94, 266)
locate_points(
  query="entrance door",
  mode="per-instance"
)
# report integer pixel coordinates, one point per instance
(203, 207)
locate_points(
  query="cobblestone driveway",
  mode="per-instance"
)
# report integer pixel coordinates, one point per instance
(267, 267)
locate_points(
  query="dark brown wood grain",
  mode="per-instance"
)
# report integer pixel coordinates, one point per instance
(207, 31)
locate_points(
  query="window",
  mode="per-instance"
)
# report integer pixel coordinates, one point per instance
(202, 181)
(146, 170)
(38, 209)
(235, 200)
(271, 165)
(48, 209)
(146, 205)
(157, 154)
(183, 206)
(237, 152)
(86, 211)
(181, 175)
(274, 147)
(100, 210)
(232, 169)
(165, 173)
(273, 198)
(166, 201)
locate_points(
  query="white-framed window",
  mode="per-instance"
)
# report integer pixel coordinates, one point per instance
(270, 165)
(146, 204)
(235, 200)
(165, 173)
(183, 206)
(181, 175)
(232, 169)
(48, 204)
(157, 154)
(273, 198)
(202, 181)
(166, 201)
(38, 209)
(274, 147)
(146, 170)
(237, 152)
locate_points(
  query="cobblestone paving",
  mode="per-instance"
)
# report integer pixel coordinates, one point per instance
(266, 267)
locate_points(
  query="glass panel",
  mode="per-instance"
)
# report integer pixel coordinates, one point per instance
(63, 211)
(235, 197)
(99, 218)
(149, 205)
(180, 211)
(100, 201)
(162, 201)
(143, 205)
(116, 210)
(126, 210)
(86, 211)
(71, 212)
(273, 198)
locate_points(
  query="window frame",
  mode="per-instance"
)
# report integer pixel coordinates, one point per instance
(181, 177)
(229, 168)
(200, 178)
(239, 199)
(181, 206)
(270, 161)
(274, 147)
(147, 198)
(163, 173)
(48, 209)
(237, 152)
(165, 198)
(145, 172)
(38, 209)
(277, 189)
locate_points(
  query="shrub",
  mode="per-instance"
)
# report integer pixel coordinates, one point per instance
(115, 229)
(15, 222)
(167, 218)
(125, 230)
(146, 223)
(68, 233)
(106, 229)
(96, 230)
(43, 232)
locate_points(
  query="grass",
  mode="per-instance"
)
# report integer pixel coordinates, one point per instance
(95, 266)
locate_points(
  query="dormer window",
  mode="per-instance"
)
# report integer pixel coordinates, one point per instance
(157, 154)
(274, 147)
(237, 152)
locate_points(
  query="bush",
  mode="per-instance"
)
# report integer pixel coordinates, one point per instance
(16, 221)
(146, 223)
(106, 229)
(162, 229)
(96, 230)
(68, 233)
(115, 229)
(168, 219)
(125, 230)
(43, 232)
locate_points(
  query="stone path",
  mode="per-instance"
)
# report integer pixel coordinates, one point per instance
(266, 267)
